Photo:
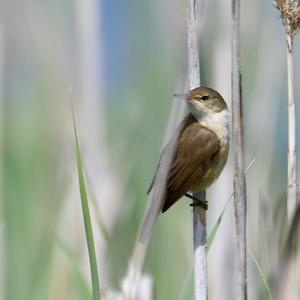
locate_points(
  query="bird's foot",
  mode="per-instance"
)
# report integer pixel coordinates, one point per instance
(197, 202)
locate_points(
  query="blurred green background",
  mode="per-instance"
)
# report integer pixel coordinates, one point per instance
(123, 61)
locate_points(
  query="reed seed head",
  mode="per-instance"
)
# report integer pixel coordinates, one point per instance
(290, 14)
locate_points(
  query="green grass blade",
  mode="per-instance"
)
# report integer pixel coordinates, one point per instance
(83, 289)
(262, 275)
(87, 219)
(215, 229)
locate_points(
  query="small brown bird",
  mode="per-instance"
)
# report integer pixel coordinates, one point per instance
(200, 149)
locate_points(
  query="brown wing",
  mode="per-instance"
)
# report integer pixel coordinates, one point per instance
(158, 195)
(197, 146)
(181, 174)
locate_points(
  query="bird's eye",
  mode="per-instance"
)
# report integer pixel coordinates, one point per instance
(205, 97)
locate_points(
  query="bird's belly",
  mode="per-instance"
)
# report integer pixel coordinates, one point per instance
(217, 165)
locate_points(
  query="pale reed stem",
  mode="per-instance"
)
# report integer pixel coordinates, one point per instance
(199, 214)
(239, 183)
(292, 185)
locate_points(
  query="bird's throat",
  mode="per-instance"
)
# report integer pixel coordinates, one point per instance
(218, 122)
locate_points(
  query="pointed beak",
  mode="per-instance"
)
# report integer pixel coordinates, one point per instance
(182, 96)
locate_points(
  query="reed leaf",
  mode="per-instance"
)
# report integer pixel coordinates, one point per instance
(87, 219)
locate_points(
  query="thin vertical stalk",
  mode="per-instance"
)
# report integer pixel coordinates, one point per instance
(292, 185)
(199, 214)
(193, 49)
(200, 246)
(239, 183)
(2, 56)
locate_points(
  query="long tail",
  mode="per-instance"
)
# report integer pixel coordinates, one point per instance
(152, 214)
(131, 281)
(158, 185)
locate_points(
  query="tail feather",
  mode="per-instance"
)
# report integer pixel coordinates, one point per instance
(151, 216)
(159, 183)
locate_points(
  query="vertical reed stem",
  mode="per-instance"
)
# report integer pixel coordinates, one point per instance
(200, 246)
(199, 214)
(292, 185)
(239, 183)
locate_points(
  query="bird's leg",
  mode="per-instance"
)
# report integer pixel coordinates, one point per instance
(197, 202)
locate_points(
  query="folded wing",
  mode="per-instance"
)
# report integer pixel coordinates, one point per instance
(192, 147)
(196, 149)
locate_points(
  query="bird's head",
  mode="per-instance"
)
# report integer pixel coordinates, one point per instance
(204, 101)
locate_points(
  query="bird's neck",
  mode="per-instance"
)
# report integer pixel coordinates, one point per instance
(217, 122)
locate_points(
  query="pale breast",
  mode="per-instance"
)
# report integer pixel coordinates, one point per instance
(220, 127)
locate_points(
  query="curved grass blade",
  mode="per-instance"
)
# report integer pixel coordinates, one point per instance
(262, 275)
(87, 219)
(215, 229)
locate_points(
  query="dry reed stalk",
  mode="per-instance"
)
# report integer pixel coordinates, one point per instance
(239, 182)
(131, 281)
(199, 214)
(290, 14)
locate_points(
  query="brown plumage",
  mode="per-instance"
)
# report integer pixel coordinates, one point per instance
(195, 155)
(188, 157)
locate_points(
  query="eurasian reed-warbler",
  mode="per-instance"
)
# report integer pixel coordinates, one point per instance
(199, 155)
